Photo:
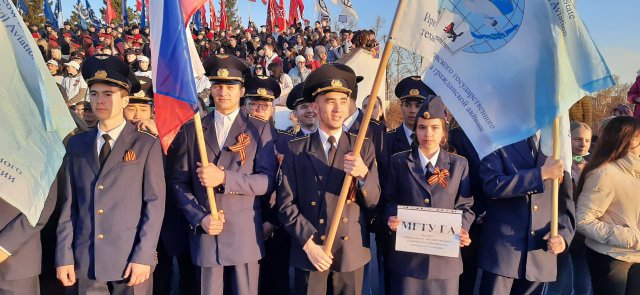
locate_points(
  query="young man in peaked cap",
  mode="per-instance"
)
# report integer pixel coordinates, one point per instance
(313, 171)
(302, 110)
(242, 166)
(114, 197)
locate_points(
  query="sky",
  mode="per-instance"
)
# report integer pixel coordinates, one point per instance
(611, 25)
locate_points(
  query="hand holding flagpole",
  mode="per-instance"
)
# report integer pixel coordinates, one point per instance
(335, 222)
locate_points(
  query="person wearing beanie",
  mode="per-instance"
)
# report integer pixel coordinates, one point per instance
(300, 72)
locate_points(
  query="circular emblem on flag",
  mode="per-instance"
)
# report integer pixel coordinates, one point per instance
(262, 91)
(414, 92)
(100, 74)
(336, 83)
(223, 73)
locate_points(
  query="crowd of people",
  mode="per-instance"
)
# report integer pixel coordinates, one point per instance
(123, 217)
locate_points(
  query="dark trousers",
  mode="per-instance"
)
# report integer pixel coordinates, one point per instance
(241, 279)
(470, 261)
(493, 284)
(28, 286)
(610, 276)
(163, 276)
(405, 285)
(274, 267)
(329, 282)
(85, 286)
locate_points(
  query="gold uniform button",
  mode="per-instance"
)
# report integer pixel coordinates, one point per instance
(100, 187)
(364, 193)
(100, 236)
(346, 238)
(321, 221)
(535, 207)
(533, 233)
(313, 203)
(348, 202)
(322, 237)
(427, 201)
(345, 220)
(100, 211)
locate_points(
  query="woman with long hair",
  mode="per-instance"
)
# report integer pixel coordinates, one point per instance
(608, 209)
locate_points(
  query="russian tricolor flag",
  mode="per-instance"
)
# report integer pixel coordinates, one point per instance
(174, 65)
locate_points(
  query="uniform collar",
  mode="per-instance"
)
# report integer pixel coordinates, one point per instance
(424, 160)
(114, 133)
(348, 122)
(219, 117)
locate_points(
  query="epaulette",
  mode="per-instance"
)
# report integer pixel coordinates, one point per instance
(374, 121)
(401, 152)
(252, 116)
(147, 133)
(356, 135)
(299, 138)
(283, 132)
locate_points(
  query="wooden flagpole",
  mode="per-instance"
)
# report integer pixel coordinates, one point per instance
(205, 162)
(556, 182)
(380, 74)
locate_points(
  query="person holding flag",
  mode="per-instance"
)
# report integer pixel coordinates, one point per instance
(112, 203)
(242, 167)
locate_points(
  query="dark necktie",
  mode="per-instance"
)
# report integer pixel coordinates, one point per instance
(105, 150)
(413, 139)
(429, 171)
(332, 149)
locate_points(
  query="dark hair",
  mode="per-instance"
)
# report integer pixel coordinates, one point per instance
(445, 132)
(613, 144)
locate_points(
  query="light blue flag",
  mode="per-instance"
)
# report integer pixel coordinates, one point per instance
(82, 12)
(91, 16)
(505, 69)
(33, 116)
(48, 14)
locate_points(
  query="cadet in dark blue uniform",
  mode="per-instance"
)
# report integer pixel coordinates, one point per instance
(302, 110)
(243, 167)
(427, 175)
(313, 171)
(114, 197)
(517, 255)
(274, 267)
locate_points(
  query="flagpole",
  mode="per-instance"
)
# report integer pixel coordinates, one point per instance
(337, 215)
(204, 158)
(249, 7)
(556, 183)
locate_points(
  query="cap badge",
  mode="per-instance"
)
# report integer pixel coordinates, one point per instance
(223, 73)
(426, 115)
(222, 56)
(262, 91)
(417, 78)
(414, 92)
(101, 57)
(100, 74)
(336, 83)
(139, 93)
(263, 77)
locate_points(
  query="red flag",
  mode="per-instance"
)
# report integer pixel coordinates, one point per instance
(281, 20)
(223, 15)
(271, 15)
(110, 14)
(294, 7)
(189, 7)
(214, 18)
(138, 5)
(203, 14)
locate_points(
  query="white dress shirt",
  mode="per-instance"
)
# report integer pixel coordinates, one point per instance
(114, 134)
(306, 132)
(424, 160)
(407, 133)
(324, 138)
(223, 125)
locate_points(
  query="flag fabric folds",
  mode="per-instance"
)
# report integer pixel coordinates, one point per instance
(91, 16)
(58, 12)
(214, 18)
(197, 19)
(48, 14)
(22, 5)
(296, 6)
(505, 70)
(124, 13)
(347, 7)
(31, 149)
(203, 15)
(110, 13)
(223, 15)
(321, 9)
(143, 15)
(173, 74)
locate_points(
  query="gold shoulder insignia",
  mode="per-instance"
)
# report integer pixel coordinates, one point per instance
(375, 122)
(147, 133)
(254, 117)
(299, 138)
(405, 151)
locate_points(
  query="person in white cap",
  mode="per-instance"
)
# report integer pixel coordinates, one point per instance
(73, 84)
(54, 69)
(143, 67)
(300, 72)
